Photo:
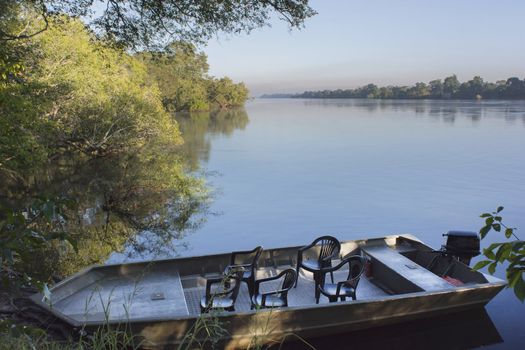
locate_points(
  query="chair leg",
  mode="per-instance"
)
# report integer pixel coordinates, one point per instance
(317, 284)
(332, 299)
(343, 298)
(332, 276)
(250, 283)
(299, 260)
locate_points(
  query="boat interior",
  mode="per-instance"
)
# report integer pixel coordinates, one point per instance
(172, 289)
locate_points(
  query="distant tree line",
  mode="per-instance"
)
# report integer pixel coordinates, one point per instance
(448, 88)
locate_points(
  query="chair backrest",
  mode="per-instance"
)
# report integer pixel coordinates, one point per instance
(328, 246)
(289, 279)
(356, 267)
(247, 257)
(235, 276)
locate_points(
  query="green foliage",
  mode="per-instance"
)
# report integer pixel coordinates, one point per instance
(450, 88)
(181, 73)
(150, 22)
(511, 253)
(24, 232)
(84, 121)
(226, 94)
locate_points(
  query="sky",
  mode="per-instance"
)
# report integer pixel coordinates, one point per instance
(350, 43)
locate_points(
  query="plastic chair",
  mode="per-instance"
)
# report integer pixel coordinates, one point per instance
(346, 288)
(275, 298)
(248, 260)
(328, 249)
(225, 298)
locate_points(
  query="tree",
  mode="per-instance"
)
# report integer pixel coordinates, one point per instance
(436, 88)
(139, 23)
(510, 253)
(451, 86)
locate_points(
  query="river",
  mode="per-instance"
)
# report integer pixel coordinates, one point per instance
(289, 170)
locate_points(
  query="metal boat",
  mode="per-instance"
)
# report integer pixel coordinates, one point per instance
(159, 300)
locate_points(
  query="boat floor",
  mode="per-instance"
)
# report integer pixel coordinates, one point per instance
(164, 295)
(302, 295)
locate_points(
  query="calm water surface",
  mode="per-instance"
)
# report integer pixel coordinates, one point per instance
(289, 170)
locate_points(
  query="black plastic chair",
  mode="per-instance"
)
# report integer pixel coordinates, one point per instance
(329, 248)
(225, 297)
(275, 298)
(342, 289)
(247, 260)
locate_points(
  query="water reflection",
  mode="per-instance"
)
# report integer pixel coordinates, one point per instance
(112, 198)
(462, 330)
(445, 109)
(198, 127)
(197, 130)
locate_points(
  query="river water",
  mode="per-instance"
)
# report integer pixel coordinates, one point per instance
(289, 170)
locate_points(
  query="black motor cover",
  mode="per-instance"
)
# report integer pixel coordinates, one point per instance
(462, 244)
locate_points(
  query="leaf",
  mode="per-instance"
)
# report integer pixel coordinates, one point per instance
(489, 254)
(489, 221)
(496, 227)
(492, 268)
(498, 218)
(485, 215)
(481, 264)
(519, 288)
(508, 232)
(500, 208)
(484, 230)
(518, 245)
(503, 252)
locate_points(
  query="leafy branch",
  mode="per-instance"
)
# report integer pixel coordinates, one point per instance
(512, 252)
(26, 230)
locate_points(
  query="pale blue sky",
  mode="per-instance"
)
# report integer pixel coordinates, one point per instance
(354, 42)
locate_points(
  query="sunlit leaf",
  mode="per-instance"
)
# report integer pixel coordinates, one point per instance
(481, 264)
(489, 254)
(492, 268)
(484, 230)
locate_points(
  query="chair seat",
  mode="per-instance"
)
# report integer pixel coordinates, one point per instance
(330, 290)
(217, 303)
(271, 301)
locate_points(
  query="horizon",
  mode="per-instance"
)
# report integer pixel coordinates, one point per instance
(351, 44)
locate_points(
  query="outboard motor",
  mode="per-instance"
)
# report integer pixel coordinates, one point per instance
(462, 245)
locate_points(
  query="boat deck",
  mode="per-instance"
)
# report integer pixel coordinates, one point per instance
(302, 295)
(162, 294)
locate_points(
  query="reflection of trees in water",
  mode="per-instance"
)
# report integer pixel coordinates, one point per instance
(446, 110)
(196, 128)
(114, 198)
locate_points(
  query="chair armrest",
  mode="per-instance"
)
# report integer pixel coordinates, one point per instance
(264, 295)
(212, 281)
(306, 247)
(334, 268)
(258, 282)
